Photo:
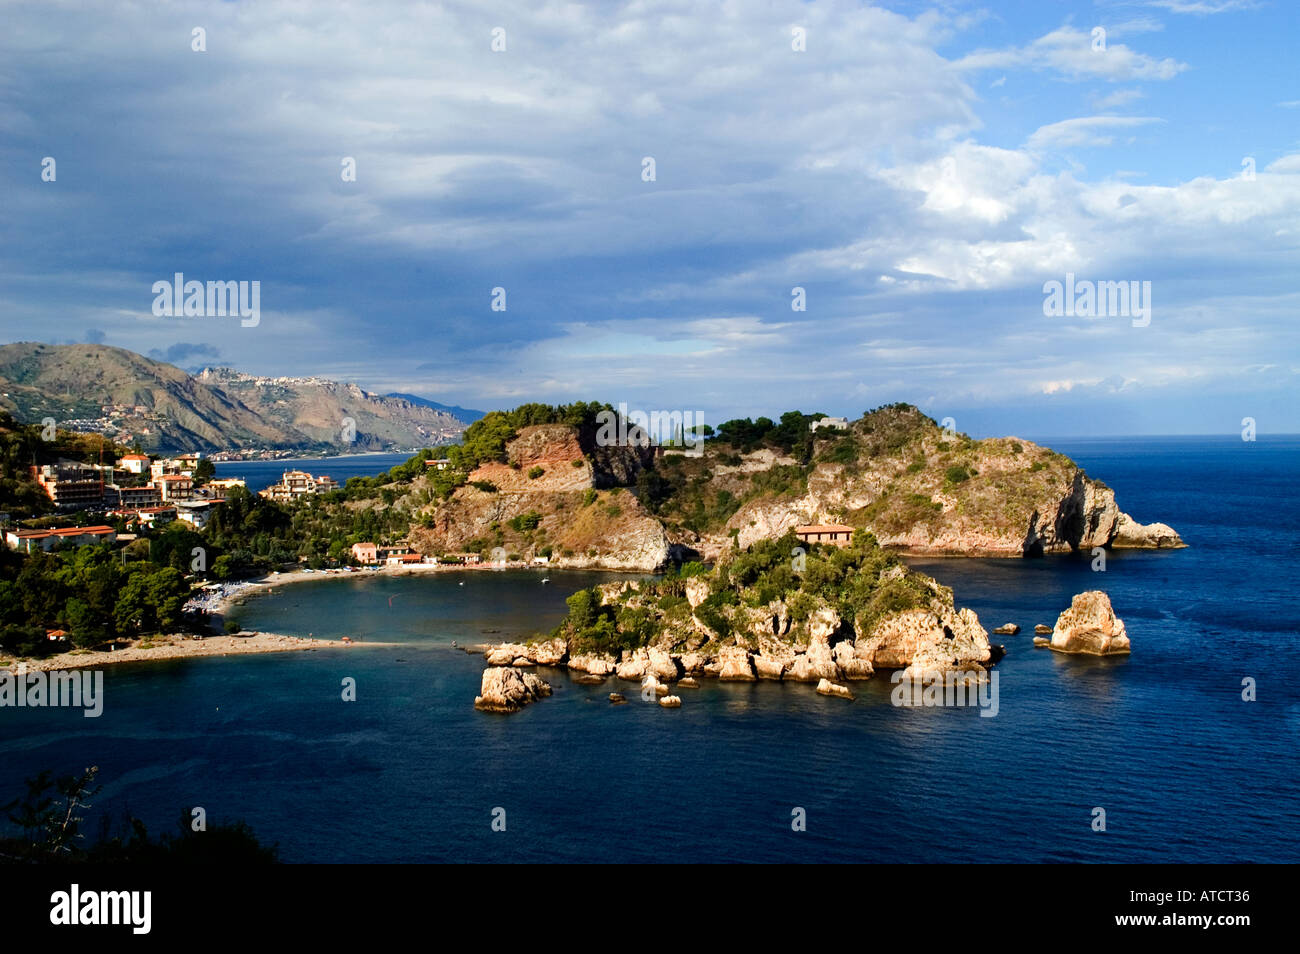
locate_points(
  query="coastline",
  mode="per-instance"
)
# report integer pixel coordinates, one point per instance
(179, 646)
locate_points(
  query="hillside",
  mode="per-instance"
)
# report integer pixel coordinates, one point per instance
(894, 472)
(162, 408)
(545, 489)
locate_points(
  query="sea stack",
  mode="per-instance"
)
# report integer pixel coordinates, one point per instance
(1090, 626)
(507, 689)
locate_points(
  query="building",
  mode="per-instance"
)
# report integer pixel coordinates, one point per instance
(135, 463)
(365, 553)
(441, 463)
(403, 559)
(146, 516)
(836, 422)
(298, 483)
(174, 486)
(29, 540)
(194, 512)
(71, 485)
(226, 483)
(132, 498)
(835, 534)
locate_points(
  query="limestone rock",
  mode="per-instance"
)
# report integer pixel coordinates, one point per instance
(552, 652)
(1007, 629)
(850, 664)
(773, 662)
(687, 682)
(828, 688)
(671, 702)
(1090, 626)
(662, 664)
(734, 664)
(814, 665)
(508, 690)
(1043, 630)
(1042, 640)
(697, 590)
(617, 698)
(1151, 536)
(920, 636)
(595, 665)
(633, 665)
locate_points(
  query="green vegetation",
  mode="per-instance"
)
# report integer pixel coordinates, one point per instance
(89, 592)
(862, 582)
(45, 826)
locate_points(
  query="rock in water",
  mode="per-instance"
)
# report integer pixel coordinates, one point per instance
(617, 698)
(671, 702)
(508, 689)
(828, 688)
(736, 666)
(1042, 640)
(1007, 629)
(1090, 626)
(1043, 630)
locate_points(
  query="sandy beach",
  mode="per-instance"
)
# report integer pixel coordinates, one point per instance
(183, 647)
(216, 602)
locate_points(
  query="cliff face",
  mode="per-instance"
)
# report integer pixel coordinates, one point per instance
(548, 501)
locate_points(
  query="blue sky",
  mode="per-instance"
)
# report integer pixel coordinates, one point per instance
(920, 169)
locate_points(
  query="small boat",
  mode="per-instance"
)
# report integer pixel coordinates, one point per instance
(546, 579)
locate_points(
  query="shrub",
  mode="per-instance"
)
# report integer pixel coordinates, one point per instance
(956, 474)
(535, 472)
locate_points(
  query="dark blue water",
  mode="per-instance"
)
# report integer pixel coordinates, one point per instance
(1185, 770)
(263, 473)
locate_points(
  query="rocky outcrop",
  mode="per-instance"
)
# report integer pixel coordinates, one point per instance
(508, 690)
(1090, 626)
(1007, 629)
(734, 664)
(926, 640)
(1152, 536)
(828, 688)
(596, 665)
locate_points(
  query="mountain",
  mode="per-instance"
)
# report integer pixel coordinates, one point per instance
(135, 399)
(464, 414)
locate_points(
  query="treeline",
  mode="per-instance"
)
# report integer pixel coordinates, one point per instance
(92, 592)
(45, 827)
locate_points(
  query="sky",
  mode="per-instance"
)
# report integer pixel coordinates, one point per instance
(920, 170)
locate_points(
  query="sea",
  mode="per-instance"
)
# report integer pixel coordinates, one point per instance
(1184, 751)
(260, 474)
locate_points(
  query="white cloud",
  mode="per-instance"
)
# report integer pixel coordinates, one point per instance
(1069, 51)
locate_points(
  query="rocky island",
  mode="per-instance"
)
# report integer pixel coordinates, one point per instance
(551, 490)
(774, 611)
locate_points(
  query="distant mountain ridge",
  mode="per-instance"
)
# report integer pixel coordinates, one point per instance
(465, 414)
(133, 399)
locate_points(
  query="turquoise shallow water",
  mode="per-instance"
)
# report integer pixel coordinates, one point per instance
(1185, 769)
